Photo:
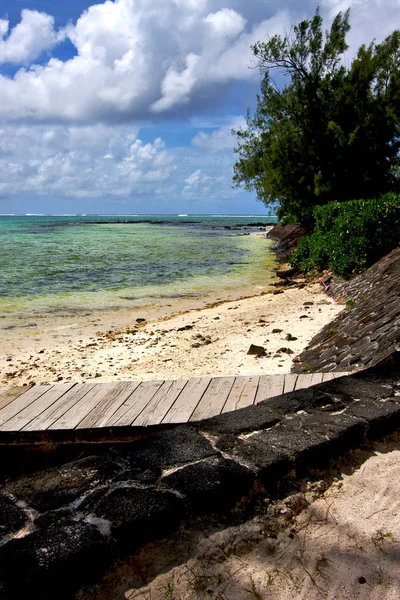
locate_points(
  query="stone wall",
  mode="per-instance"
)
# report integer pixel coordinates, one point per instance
(368, 330)
(63, 526)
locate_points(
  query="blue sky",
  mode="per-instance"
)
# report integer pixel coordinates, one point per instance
(127, 106)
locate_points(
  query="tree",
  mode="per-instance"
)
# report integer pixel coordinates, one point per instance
(331, 133)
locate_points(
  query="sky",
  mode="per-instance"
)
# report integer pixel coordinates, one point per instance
(127, 106)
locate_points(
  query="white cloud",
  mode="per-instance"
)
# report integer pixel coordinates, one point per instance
(369, 19)
(132, 58)
(220, 139)
(28, 39)
(93, 161)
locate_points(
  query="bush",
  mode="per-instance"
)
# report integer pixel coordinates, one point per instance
(350, 236)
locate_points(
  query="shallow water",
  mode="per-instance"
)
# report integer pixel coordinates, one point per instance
(74, 264)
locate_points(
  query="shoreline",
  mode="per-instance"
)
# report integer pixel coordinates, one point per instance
(192, 338)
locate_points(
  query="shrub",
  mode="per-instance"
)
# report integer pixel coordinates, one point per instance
(350, 236)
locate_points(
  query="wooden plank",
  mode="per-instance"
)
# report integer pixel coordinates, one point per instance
(36, 408)
(340, 374)
(11, 394)
(3, 389)
(316, 378)
(269, 387)
(290, 382)
(213, 399)
(303, 381)
(160, 404)
(328, 376)
(242, 394)
(134, 405)
(80, 409)
(59, 408)
(22, 402)
(105, 409)
(185, 404)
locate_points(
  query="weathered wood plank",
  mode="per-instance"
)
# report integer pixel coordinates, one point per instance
(160, 404)
(22, 402)
(185, 404)
(59, 408)
(269, 387)
(328, 376)
(101, 414)
(303, 381)
(134, 405)
(80, 409)
(316, 378)
(290, 382)
(213, 399)
(36, 408)
(242, 394)
(3, 389)
(11, 394)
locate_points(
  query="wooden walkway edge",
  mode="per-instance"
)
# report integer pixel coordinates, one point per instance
(63, 410)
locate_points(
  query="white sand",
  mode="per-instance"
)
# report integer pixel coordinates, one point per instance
(344, 546)
(105, 349)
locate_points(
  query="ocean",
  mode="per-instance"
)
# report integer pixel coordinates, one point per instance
(73, 263)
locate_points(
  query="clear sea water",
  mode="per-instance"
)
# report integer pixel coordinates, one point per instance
(80, 262)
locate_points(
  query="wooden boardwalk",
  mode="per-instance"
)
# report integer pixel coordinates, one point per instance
(77, 407)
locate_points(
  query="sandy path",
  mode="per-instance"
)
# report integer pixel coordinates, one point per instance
(209, 341)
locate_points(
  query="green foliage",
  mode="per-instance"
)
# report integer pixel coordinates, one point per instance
(350, 236)
(331, 133)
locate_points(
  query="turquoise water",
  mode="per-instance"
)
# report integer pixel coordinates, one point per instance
(53, 262)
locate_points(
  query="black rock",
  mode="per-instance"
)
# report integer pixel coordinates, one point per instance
(211, 485)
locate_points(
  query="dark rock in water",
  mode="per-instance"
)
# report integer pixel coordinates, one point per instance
(256, 350)
(277, 330)
(304, 317)
(140, 320)
(12, 517)
(286, 350)
(290, 337)
(185, 327)
(285, 270)
(308, 303)
(277, 292)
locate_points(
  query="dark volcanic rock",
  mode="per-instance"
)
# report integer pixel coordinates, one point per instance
(269, 463)
(12, 517)
(51, 489)
(256, 350)
(290, 438)
(170, 448)
(246, 419)
(383, 416)
(305, 399)
(287, 237)
(211, 485)
(54, 562)
(137, 514)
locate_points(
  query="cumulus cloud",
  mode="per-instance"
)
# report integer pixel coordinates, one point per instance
(28, 39)
(133, 58)
(92, 161)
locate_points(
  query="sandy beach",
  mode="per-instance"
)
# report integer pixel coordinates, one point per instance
(180, 341)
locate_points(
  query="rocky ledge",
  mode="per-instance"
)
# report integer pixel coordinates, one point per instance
(367, 331)
(63, 526)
